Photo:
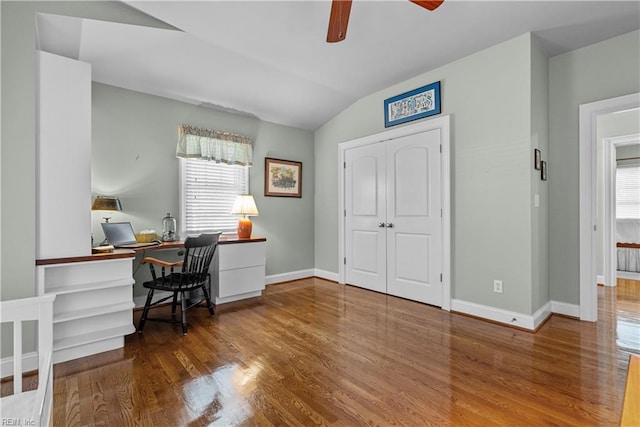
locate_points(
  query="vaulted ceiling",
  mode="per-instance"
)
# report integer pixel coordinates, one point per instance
(269, 59)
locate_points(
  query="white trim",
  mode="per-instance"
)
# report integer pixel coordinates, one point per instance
(600, 279)
(442, 123)
(588, 190)
(224, 300)
(565, 309)
(327, 275)
(609, 222)
(609, 241)
(29, 363)
(502, 316)
(629, 275)
(287, 277)
(540, 316)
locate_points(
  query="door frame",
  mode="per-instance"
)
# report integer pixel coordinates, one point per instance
(609, 235)
(441, 123)
(588, 196)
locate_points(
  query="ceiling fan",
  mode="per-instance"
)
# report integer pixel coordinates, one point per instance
(339, 17)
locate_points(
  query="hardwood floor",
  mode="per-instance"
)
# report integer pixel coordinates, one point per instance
(312, 352)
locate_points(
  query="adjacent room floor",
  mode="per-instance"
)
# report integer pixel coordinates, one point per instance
(312, 352)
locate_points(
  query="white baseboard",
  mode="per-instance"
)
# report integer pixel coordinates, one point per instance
(233, 298)
(630, 275)
(572, 310)
(327, 275)
(287, 277)
(29, 363)
(496, 314)
(600, 279)
(540, 316)
(516, 319)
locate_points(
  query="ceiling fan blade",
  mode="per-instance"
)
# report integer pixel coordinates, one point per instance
(431, 5)
(338, 20)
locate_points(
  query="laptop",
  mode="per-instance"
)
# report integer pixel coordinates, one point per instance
(121, 235)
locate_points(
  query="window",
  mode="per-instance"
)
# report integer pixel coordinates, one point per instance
(628, 191)
(208, 190)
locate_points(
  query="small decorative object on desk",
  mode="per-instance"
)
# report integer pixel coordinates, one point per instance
(102, 249)
(146, 236)
(169, 227)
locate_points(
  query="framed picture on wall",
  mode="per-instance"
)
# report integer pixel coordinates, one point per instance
(543, 170)
(416, 104)
(282, 178)
(537, 159)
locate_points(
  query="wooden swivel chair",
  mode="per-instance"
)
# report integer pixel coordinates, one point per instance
(193, 274)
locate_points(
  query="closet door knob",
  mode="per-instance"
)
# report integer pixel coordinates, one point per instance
(389, 225)
(381, 225)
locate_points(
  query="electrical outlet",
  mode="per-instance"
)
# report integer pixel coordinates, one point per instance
(497, 286)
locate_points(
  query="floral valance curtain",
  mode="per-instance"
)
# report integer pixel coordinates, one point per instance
(217, 146)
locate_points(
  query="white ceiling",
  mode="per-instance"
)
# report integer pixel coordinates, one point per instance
(269, 59)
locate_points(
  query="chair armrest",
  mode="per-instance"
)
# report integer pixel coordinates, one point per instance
(161, 263)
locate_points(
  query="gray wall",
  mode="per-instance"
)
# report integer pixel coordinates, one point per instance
(488, 95)
(540, 140)
(601, 71)
(18, 129)
(133, 156)
(118, 125)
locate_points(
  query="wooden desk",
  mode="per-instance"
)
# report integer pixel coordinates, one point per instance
(116, 254)
(237, 271)
(225, 239)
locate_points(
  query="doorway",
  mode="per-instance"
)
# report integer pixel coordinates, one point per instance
(589, 114)
(610, 152)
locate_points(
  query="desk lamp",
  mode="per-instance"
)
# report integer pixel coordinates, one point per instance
(106, 203)
(244, 205)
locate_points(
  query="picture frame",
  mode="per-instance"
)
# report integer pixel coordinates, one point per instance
(543, 170)
(282, 178)
(413, 105)
(537, 159)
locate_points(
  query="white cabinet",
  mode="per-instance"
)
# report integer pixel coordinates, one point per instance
(63, 157)
(238, 271)
(93, 309)
(93, 306)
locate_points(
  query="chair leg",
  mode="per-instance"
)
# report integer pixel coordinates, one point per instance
(183, 306)
(208, 298)
(145, 311)
(174, 305)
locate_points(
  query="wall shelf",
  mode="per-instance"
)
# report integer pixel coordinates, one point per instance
(105, 334)
(93, 311)
(86, 287)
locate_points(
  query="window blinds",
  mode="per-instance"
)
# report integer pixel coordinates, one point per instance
(209, 190)
(628, 191)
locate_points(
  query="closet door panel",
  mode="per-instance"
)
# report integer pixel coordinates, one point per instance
(365, 210)
(414, 230)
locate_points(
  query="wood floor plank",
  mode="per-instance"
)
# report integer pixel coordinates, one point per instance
(312, 352)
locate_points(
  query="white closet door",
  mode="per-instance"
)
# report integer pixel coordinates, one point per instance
(365, 203)
(414, 222)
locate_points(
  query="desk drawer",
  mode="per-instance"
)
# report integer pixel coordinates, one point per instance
(241, 255)
(240, 281)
